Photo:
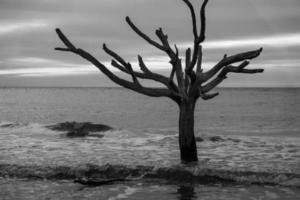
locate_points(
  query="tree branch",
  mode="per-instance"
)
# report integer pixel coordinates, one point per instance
(164, 47)
(187, 64)
(203, 21)
(143, 35)
(114, 55)
(175, 61)
(199, 63)
(173, 71)
(153, 92)
(119, 67)
(147, 74)
(206, 96)
(126, 65)
(142, 65)
(65, 40)
(199, 39)
(223, 75)
(195, 32)
(180, 78)
(154, 76)
(230, 60)
(190, 81)
(62, 49)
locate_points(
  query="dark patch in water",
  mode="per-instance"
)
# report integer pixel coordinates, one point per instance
(199, 139)
(216, 139)
(80, 129)
(186, 192)
(181, 174)
(234, 140)
(99, 182)
(10, 125)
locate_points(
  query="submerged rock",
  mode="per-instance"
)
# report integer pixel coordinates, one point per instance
(80, 129)
(210, 138)
(216, 139)
(234, 140)
(199, 139)
(78, 132)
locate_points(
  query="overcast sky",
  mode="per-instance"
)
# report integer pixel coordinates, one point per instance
(28, 39)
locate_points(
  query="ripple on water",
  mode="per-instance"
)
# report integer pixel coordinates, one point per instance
(13, 189)
(34, 144)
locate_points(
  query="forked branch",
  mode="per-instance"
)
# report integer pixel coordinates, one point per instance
(198, 39)
(228, 61)
(194, 21)
(203, 21)
(229, 69)
(206, 96)
(164, 46)
(143, 35)
(153, 92)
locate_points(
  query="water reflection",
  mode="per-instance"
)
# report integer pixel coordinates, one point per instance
(186, 192)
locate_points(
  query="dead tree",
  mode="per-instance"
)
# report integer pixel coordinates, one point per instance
(187, 81)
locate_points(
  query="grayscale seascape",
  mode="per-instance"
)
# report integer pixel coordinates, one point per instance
(149, 100)
(250, 147)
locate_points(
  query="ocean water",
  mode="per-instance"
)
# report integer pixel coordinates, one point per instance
(257, 157)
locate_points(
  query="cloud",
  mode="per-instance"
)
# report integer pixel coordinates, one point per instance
(42, 67)
(40, 62)
(38, 66)
(8, 28)
(285, 40)
(51, 71)
(27, 36)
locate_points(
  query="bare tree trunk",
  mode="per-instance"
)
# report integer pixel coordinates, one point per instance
(187, 142)
(191, 82)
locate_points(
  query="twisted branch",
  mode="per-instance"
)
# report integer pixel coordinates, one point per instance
(195, 32)
(229, 69)
(153, 92)
(165, 46)
(203, 21)
(228, 61)
(197, 38)
(143, 35)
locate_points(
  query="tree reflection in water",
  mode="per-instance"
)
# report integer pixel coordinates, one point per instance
(186, 192)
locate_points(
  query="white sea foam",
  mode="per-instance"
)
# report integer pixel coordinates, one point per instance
(258, 135)
(127, 193)
(34, 143)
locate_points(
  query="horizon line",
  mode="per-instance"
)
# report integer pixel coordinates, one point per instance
(120, 87)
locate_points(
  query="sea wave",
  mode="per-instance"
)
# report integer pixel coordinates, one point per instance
(178, 174)
(11, 125)
(32, 150)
